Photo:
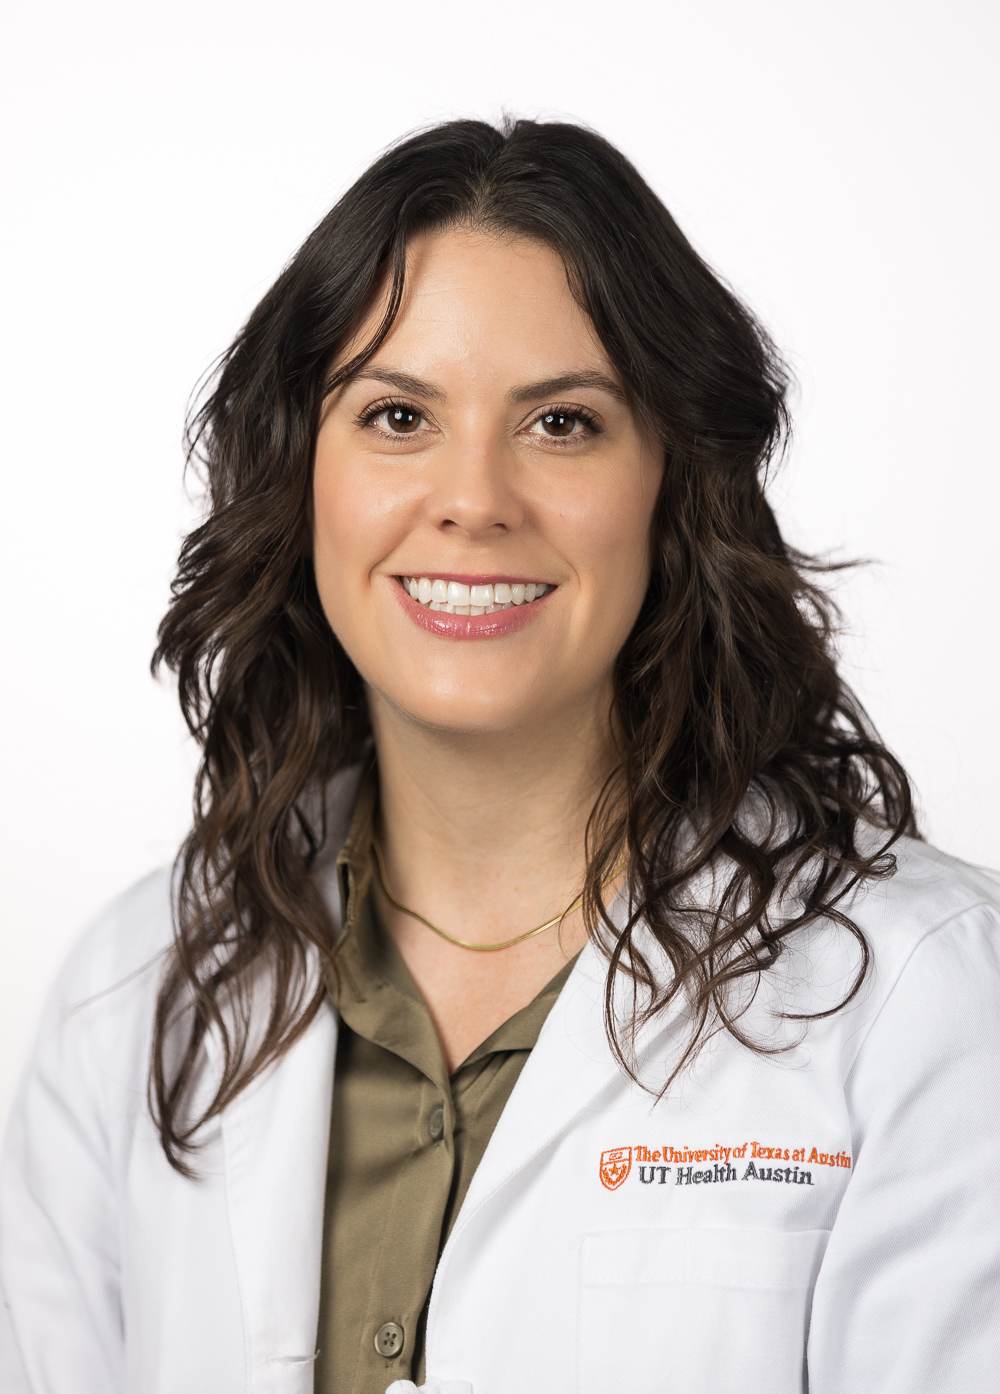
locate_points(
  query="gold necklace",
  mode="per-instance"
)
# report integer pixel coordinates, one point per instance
(465, 943)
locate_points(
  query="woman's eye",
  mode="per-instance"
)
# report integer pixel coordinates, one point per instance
(399, 421)
(561, 424)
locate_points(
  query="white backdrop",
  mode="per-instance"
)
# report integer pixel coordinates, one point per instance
(161, 162)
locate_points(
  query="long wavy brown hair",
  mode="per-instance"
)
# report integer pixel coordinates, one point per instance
(727, 690)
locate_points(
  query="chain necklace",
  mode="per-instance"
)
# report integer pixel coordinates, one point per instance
(465, 943)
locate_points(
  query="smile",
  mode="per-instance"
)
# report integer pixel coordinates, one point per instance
(457, 598)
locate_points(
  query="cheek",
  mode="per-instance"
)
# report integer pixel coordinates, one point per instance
(346, 544)
(611, 524)
(354, 521)
(337, 519)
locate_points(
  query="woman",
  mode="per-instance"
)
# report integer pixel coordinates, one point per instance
(552, 994)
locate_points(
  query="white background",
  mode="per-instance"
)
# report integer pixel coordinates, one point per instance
(835, 161)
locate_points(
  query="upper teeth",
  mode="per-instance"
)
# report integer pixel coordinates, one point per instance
(455, 598)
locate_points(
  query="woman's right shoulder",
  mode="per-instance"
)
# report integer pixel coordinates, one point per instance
(119, 954)
(90, 1055)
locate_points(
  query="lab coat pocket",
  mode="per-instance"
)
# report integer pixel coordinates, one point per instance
(696, 1311)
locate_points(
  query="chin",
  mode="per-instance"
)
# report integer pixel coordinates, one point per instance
(463, 714)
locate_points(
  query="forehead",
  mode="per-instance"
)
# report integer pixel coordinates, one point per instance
(481, 303)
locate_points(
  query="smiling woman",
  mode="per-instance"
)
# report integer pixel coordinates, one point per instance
(544, 879)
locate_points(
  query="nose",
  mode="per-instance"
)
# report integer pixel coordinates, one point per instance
(474, 490)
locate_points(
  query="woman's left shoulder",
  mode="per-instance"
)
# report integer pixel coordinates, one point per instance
(918, 948)
(933, 934)
(932, 903)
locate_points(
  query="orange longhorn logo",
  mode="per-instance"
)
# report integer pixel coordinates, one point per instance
(616, 1164)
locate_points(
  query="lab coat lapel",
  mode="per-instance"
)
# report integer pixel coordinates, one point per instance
(275, 1140)
(569, 1066)
(566, 1073)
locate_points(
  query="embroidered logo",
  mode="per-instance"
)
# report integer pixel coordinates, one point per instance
(616, 1164)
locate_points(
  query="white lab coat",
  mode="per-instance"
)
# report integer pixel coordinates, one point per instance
(587, 1258)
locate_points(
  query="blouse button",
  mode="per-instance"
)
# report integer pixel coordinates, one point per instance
(389, 1339)
(435, 1124)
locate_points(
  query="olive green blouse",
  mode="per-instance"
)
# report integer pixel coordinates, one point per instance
(405, 1139)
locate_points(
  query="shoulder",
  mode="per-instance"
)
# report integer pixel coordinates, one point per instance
(933, 907)
(119, 956)
(90, 1055)
(113, 970)
(123, 947)
(933, 933)
(930, 929)
(928, 890)
(133, 930)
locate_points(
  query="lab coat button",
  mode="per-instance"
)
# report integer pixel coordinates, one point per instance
(435, 1125)
(389, 1339)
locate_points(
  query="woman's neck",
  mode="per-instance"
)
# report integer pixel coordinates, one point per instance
(484, 836)
(495, 819)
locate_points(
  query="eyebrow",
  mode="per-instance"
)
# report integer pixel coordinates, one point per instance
(517, 396)
(558, 387)
(404, 382)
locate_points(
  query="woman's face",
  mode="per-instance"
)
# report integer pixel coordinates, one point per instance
(485, 449)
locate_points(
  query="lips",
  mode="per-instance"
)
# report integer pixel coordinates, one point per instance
(450, 612)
